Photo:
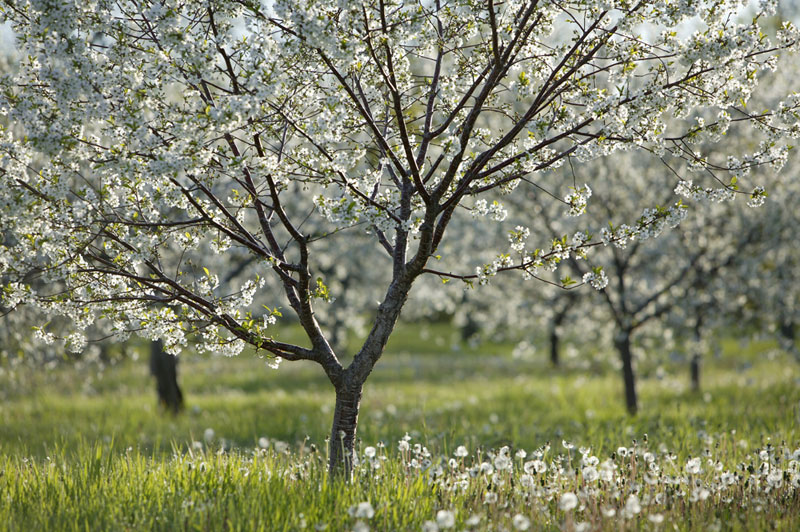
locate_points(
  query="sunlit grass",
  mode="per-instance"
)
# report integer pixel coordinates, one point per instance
(82, 450)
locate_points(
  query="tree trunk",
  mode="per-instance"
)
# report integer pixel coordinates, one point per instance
(623, 345)
(694, 365)
(469, 329)
(789, 337)
(338, 336)
(350, 382)
(695, 371)
(554, 345)
(555, 337)
(164, 367)
(787, 330)
(343, 431)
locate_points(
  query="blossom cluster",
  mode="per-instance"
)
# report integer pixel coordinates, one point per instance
(650, 224)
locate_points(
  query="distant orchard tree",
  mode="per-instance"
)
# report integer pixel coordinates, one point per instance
(144, 137)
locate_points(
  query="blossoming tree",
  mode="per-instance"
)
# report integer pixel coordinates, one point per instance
(766, 292)
(139, 128)
(691, 280)
(645, 285)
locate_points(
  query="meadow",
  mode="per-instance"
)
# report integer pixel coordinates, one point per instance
(451, 437)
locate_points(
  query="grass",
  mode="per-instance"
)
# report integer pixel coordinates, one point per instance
(87, 448)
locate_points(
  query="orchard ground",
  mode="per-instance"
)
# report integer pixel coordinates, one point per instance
(82, 448)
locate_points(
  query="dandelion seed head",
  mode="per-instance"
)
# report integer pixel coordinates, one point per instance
(520, 522)
(362, 510)
(568, 501)
(445, 519)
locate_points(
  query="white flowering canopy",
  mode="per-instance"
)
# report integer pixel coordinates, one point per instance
(143, 139)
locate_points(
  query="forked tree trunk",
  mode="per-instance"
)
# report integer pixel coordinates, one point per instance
(623, 345)
(164, 367)
(343, 432)
(349, 382)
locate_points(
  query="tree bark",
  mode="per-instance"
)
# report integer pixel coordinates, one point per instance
(343, 432)
(350, 382)
(623, 345)
(164, 367)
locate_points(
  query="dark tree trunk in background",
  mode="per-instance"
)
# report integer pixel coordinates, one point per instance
(105, 357)
(555, 337)
(554, 346)
(623, 345)
(694, 369)
(694, 365)
(787, 330)
(338, 325)
(470, 327)
(789, 340)
(164, 367)
(338, 336)
(343, 431)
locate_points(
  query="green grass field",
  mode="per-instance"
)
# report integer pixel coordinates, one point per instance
(85, 449)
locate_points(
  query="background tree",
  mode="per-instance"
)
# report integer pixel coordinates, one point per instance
(761, 288)
(372, 112)
(684, 280)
